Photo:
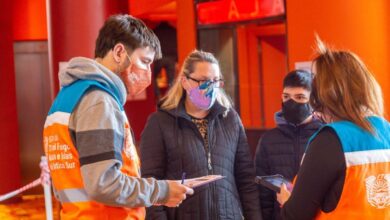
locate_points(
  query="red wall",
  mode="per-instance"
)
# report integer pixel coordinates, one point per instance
(186, 28)
(358, 25)
(9, 146)
(255, 97)
(29, 20)
(274, 67)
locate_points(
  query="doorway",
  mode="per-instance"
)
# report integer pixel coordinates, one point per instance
(33, 92)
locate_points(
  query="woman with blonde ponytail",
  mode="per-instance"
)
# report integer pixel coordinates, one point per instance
(345, 173)
(197, 132)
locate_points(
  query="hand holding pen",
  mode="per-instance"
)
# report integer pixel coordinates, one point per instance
(177, 192)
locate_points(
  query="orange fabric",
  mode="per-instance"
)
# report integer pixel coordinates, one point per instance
(131, 161)
(61, 152)
(355, 201)
(294, 180)
(94, 210)
(63, 160)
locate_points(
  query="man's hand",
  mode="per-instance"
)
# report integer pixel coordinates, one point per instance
(177, 193)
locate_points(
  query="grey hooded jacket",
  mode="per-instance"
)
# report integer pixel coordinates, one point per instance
(96, 128)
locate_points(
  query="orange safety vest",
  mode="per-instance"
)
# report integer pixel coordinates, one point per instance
(63, 159)
(366, 191)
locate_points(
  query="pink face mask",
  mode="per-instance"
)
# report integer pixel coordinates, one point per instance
(138, 77)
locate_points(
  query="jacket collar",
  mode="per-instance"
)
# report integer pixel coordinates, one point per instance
(180, 111)
(281, 122)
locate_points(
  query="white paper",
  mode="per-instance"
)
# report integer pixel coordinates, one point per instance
(200, 181)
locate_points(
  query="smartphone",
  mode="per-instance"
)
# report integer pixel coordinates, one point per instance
(273, 182)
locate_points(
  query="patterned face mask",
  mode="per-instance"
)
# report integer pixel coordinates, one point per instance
(138, 77)
(203, 96)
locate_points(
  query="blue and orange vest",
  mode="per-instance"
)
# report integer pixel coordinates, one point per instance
(63, 159)
(366, 191)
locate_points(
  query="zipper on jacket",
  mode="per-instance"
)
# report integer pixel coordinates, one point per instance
(209, 161)
(214, 215)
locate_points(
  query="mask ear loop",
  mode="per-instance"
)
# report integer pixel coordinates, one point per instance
(133, 77)
(129, 58)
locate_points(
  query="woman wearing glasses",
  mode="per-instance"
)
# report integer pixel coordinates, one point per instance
(197, 132)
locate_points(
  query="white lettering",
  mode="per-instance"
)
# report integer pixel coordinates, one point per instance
(52, 157)
(71, 165)
(63, 147)
(57, 166)
(66, 156)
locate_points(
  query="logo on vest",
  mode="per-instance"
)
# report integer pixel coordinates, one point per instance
(378, 190)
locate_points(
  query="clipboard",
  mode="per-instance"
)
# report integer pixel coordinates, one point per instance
(200, 181)
(273, 182)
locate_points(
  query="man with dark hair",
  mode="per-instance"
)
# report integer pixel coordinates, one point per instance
(91, 154)
(280, 149)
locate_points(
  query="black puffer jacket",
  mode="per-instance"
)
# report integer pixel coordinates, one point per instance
(280, 151)
(171, 144)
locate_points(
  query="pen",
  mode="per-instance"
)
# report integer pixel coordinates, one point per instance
(183, 176)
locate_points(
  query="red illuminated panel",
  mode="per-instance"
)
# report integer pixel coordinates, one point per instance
(224, 11)
(29, 20)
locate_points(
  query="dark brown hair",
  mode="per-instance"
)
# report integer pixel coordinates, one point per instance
(130, 31)
(344, 88)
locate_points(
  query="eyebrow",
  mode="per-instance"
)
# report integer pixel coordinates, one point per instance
(300, 94)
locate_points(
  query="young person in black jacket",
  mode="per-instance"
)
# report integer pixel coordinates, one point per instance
(280, 150)
(196, 131)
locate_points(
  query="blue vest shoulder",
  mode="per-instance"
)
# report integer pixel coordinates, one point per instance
(354, 138)
(69, 96)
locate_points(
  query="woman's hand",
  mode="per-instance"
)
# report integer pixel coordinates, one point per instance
(284, 195)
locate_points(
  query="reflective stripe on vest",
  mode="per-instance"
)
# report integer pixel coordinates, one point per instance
(366, 157)
(73, 195)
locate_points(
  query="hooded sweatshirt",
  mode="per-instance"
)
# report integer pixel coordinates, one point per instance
(279, 151)
(96, 128)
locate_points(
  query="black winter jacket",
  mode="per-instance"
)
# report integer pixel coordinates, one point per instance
(171, 144)
(280, 151)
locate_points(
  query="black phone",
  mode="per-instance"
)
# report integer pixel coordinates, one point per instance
(273, 182)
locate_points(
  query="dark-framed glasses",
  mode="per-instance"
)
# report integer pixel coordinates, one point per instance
(203, 84)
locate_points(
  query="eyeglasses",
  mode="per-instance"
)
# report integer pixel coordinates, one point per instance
(218, 83)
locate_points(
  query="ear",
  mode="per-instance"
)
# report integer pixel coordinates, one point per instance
(117, 52)
(184, 82)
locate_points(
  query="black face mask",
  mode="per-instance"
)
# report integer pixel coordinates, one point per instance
(295, 112)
